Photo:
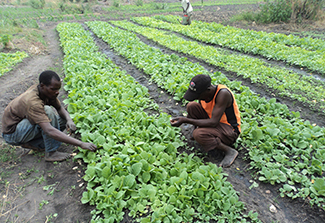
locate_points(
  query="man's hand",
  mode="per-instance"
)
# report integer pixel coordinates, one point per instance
(88, 146)
(71, 126)
(176, 122)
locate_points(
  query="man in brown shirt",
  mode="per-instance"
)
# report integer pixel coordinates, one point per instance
(30, 122)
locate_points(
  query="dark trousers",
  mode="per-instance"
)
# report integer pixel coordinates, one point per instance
(210, 138)
(34, 135)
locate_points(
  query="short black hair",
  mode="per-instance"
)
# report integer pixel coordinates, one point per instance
(46, 77)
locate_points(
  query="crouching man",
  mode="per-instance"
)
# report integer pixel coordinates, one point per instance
(216, 117)
(36, 119)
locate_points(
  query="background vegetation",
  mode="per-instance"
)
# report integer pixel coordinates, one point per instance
(286, 11)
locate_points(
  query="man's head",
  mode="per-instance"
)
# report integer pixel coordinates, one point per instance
(50, 84)
(198, 85)
(46, 77)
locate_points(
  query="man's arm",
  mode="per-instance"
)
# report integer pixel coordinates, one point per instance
(60, 136)
(224, 99)
(188, 5)
(65, 114)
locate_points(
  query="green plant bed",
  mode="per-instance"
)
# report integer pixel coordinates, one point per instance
(9, 60)
(137, 166)
(274, 135)
(287, 83)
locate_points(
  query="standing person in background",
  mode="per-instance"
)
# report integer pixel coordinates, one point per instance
(36, 119)
(216, 117)
(187, 10)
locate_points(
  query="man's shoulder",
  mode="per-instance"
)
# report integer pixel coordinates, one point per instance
(32, 91)
(223, 93)
(32, 97)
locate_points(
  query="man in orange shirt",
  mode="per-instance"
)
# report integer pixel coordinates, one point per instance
(216, 117)
(36, 119)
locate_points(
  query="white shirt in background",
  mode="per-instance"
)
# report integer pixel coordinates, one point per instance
(184, 5)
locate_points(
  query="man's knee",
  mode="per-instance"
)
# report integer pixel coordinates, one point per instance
(56, 120)
(192, 105)
(200, 135)
(218, 141)
(49, 112)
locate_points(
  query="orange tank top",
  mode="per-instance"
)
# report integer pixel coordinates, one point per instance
(231, 115)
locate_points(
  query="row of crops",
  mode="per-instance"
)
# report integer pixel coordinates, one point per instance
(305, 89)
(138, 167)
(276, 137)
(29, 17)
(282, 147)
(9, 60)
(289, 48)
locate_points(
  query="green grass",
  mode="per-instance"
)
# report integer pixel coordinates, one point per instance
(8, 153)
(245, 16)
(22, 23)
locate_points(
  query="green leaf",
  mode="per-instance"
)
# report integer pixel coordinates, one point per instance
(146, 176)
(129, 181)
(172, 189)
(90, 171)
(136, 168)
(183, 175)
(288, 188)
(257, 134)
(152, 193)
(87, 196)
(106, 171)
(100, 140)
(198, 176)
(319, 186)
(302, 144)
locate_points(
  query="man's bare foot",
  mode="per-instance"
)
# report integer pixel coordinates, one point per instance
(230, 157)
(56, 156)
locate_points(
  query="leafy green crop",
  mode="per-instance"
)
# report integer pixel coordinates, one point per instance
(137, 166)
(282, 148)
(306, 89)
(305, 52)
(8, 60)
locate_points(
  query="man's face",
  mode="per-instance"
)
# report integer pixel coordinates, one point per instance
(51, 91)
(205, 96)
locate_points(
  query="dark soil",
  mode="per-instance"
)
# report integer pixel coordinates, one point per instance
(33, 190)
